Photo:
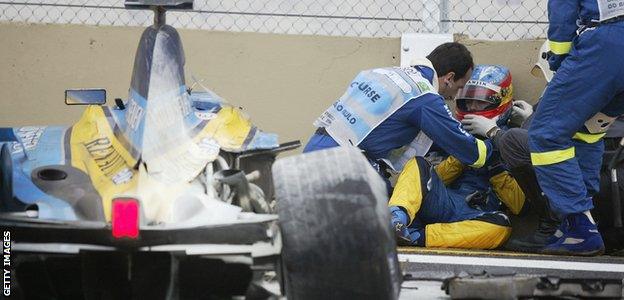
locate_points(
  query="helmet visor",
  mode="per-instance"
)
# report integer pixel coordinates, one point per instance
(479, 92)
(472, 105)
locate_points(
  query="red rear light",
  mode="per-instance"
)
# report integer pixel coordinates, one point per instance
(125, 218)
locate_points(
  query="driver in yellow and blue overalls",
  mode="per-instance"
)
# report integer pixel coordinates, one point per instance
(455, 205)
(584, 97)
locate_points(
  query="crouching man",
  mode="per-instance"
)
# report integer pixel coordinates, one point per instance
(455, 205)
(393, 114)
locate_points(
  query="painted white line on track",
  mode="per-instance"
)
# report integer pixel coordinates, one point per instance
(511, 262)
(59, 247)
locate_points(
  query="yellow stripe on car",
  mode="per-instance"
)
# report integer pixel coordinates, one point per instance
(229, 128)
(96, 151)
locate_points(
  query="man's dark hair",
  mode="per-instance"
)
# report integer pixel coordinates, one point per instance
(451, 57)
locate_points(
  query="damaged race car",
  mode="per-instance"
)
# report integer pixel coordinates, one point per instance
(173, 193)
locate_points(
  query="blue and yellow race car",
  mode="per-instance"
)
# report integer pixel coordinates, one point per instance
(170, 194)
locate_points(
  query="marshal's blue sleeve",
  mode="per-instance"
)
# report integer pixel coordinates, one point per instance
(436, 120)
(562, 16)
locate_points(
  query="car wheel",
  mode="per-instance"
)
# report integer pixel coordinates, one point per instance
(6, 177)
(334, 219)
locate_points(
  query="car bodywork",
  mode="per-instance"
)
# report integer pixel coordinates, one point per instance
(154, 148)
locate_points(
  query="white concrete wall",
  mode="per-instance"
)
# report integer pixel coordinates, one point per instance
(282, 81)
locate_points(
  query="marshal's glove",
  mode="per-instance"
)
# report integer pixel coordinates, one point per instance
(520, 112)
(478, 125)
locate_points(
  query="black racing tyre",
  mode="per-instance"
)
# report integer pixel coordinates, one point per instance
(603, 212)
(6, 177)
(334, 220)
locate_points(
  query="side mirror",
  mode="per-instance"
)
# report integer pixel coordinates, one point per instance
(85, 97)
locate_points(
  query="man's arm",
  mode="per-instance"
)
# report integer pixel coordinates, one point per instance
(562, 16)
(482, 126)
(449, 170)
(508, 191)
(437, 121)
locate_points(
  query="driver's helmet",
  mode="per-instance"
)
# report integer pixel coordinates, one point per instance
(491, 86)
